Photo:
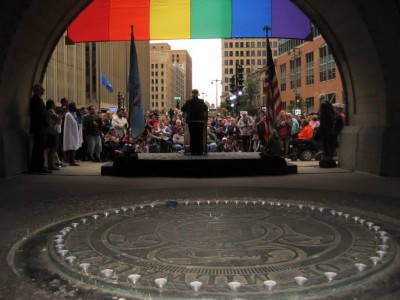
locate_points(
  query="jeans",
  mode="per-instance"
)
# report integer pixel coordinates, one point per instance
(94, 144)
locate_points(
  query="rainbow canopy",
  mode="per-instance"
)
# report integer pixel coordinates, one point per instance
(110, 20)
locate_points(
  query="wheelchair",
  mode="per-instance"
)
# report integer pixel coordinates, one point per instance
(304, 150)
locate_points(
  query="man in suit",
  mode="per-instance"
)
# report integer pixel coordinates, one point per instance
(39, 124)
(196, 116)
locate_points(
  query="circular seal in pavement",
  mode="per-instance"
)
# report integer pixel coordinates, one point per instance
(215, 249)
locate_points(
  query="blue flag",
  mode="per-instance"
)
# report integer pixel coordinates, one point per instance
(136, 115)
(104, 81)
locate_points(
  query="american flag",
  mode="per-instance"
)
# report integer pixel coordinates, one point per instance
(271, 90)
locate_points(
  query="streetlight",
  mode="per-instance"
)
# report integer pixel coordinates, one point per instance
(216, 90)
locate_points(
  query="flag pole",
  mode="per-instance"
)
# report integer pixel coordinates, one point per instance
(129, 92)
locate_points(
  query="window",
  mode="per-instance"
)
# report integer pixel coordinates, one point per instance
(258, 52)
(226, 71)
(310, 68)
(152, 104)
(237, 44)
(230, 45)
(298, 71)
(241, 45)
(253, 44)
(283, 77)
(253, 53)
(162, 66)
(226, 53)
(247, 44)
(152, 66)
(283, 105)
(327, 65)
(292, 74)
(226, 45)
(231, 62)
(310, 104)
(226, 62)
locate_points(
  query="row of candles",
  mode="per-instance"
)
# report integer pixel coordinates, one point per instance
(109, 274)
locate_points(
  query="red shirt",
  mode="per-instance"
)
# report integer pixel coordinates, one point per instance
(306, 133)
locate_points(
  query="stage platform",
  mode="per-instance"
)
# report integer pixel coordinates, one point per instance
(209, 165)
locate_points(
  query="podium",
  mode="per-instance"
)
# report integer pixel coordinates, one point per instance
(187, 135)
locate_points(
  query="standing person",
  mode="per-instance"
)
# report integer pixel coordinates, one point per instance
(196, 116)
(72, 138)
(260, 126)
(92, 124)
(327, 133)
(284, 135)
(39, 124)
(52, 135)
(120, 123)
(245, 125)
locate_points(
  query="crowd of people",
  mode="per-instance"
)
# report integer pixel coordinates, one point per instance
(68, 135)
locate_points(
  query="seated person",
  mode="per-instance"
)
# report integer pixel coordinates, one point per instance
(111, 143)
(140, 146)
(306, 131)
(223, 145)
(306, 134)
(232, 145)
(255, 144)
(273, 146)
(153, 140)
(178, 140)
(211, 141)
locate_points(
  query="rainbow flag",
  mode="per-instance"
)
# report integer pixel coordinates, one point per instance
(108, 20)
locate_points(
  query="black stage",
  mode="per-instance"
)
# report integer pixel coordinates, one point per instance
(209, 165)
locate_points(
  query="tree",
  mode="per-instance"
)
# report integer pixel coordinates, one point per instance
(251, 93)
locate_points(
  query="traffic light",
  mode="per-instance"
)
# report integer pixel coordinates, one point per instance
(239, 77)
(232, 85)
(230, 102)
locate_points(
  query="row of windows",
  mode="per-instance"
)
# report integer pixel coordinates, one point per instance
(156, 104)
(248, 44)
(156, 96)
(156, 66)
(156, 81)
(248, 62)
(156, 73)
(156, 89)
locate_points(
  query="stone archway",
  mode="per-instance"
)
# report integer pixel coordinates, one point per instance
(362, 34)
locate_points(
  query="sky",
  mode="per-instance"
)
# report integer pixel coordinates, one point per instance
(206, 64)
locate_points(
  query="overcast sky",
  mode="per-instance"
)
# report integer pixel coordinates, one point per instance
(206, 64)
